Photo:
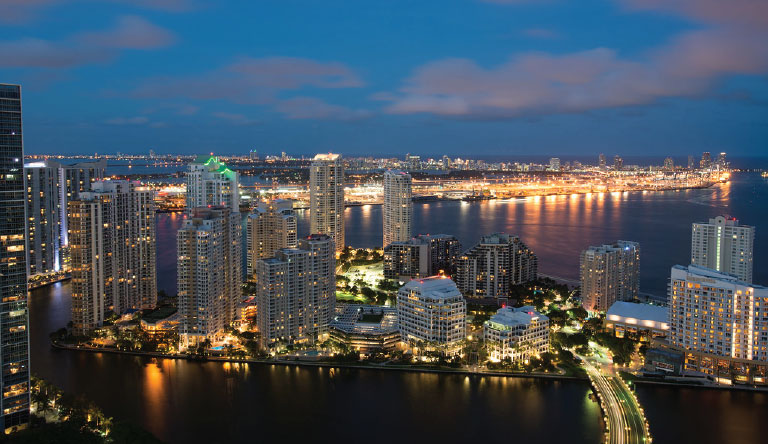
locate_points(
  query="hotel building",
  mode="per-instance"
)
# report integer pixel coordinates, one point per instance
(398, 207)
(516, 334)
(432, 312)
(609, 273)
(723, 245)
(326, 197)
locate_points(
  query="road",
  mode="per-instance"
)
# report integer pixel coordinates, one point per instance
(626, 423)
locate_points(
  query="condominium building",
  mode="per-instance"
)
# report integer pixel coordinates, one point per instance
(112, 243)
(715, 315)
(494, 265)
(398, 207)
(422, 256)
(209, 273)
(271, 227)
(14, 348)
(432, 312)
(296, 292)
(326, 197)
(210, 183)
(516, 334)
(723, 245)
(609, 273)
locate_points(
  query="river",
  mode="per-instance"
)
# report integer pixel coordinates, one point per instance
(182, 401)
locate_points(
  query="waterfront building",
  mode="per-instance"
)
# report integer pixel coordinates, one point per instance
(498, 262)
(691, 163)
(719, 321)
(723, 245)
(431, 312)
(270, 227)
(210, 183)
(366, 328)
(601, 161)
(669, 164)
(554, 164)
(398, 207)
(75, 179)
(112, 244)
(326, 197)
(609, 273)
(209, 273)
(296, 292)
(517, 334)
(630, 317)
(14, 322)
(706, 160)
(423, 256)
(618, 163)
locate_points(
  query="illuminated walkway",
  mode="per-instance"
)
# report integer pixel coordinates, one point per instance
(625, 421)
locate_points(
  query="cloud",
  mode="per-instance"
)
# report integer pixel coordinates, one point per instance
(20, 11)
(138, 120)
(730, 42)
(541, 33)
(238, 119)
(130, 32)
(314, 108)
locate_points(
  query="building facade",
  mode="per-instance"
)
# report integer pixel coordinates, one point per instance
(431, 312)
(723, 245)
(422, 256)
(296, 292)
(644, 319)
(398, 207)
(209, 274)
(74, 179)
(210, 183)
(516, 334)
(271, 227)
(113, 252)
(714, 315)
(366, 328)
(609, 273)
(494, 265)
(14, 317)
(326, 197)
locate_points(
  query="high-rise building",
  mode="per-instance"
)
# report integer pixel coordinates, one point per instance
(209, 273)
(432, 312)
(516, 334)
(326, 197)
(723, 245)
(398, 207)
(691, 163)
(722, 161)
(609, 273)
(554, 164)
(210, 183)
(669, 164)
(601, 161)
(618, 163)
(112, 244)
(715, 315)
(706, 160)
(296, 292)
(423, 256)
(271, 227)
(498, 262)
(43, 221)
(14, 378)
(76, 178)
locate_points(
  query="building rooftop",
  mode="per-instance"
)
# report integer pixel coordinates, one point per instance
(361, 318)
(645, 312)
(329, 156)
(509, 317)
(436, 287)
(713, 274)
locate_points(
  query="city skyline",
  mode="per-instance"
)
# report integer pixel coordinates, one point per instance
(395, 78)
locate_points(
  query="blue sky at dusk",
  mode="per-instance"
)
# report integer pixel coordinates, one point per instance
(457, 77)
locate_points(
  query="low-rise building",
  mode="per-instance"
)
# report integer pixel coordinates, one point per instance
(432, 312)
(516, 333)
(648, 320)
(366, 328)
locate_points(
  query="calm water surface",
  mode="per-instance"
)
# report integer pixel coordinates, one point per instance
(183, 401)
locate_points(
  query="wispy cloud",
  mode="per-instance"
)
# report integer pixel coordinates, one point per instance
(20, 11)
(237, 119)
(541, 33)
(130, 32)
(314, 108)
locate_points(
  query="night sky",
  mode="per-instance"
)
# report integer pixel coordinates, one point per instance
(386, 77)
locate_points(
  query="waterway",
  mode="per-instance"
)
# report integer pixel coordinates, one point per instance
(182, 401)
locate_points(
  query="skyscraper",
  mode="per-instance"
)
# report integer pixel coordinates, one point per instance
(714, 315)
(271, 227)
(421, 256)
(210, 183)
(723, 245)
(618, 163)
(669, 164)
(691, 163)
(326, 197)
(398, 207)
(554, 164)
(495, 264)
(706, 160)
(75, 179)
(14, 378)
(296, 292)
(609, 273)
(209, 273)
(113, 256)
(601, 161)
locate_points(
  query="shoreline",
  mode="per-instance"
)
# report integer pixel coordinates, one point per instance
(318, 364)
